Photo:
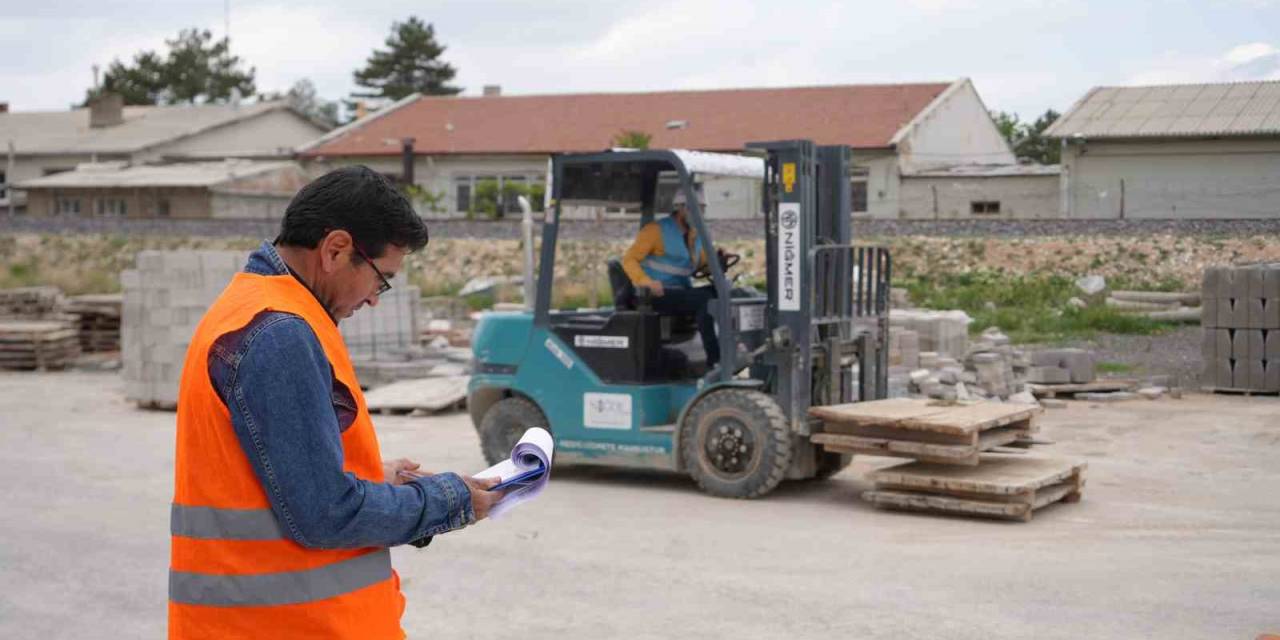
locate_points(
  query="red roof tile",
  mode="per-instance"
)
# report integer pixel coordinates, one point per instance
(865, 116)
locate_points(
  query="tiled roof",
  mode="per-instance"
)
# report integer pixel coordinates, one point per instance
(862, 116)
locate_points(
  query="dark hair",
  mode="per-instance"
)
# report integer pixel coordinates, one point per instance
(361, 202)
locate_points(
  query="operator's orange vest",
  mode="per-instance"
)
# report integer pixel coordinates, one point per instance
(233, 572)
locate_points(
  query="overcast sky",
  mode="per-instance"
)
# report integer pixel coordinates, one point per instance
(1024, 56)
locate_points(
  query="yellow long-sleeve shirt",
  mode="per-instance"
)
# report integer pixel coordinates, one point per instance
(649, 243)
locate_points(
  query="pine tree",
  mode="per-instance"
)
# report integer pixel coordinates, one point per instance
(195, 69)
(409, 64)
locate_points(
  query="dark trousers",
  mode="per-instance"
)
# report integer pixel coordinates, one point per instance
(693, 302)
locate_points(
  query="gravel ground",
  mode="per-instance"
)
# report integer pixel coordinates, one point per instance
(1175, 354)
(721, 229)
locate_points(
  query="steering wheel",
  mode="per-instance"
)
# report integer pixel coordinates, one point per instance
(727, 260)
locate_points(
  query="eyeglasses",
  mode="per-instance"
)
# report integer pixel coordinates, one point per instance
(385, 286)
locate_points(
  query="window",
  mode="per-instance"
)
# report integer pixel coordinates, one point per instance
(984, 207)
(113, 207)
(162, 207)
(462, 194)
(65, 206)
(488, 195)
(4, 186)
(858, 189)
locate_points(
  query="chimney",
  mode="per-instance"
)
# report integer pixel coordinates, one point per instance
(106, 110)
(492, 90)
(4, 107)
(406, 160)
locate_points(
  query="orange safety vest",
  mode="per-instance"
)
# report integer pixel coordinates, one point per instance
(234, 572)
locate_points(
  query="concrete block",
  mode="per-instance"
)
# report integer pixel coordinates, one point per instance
(1239, 283)
(1254, 279)
(1208, 344)
(1254, 345)
(1271, 283)
(1226, 315)
(1240, 313)
(1048, 375)
(1224, 373)
(1271, 348)
(1270, 313)
(1208, 312)
(1271, 376)
(1081, 365)
(1256, 312)
(1209, 282)
(1245, 372)
(1239, 344)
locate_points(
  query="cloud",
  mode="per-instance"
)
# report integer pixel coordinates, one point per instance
(1246, 62)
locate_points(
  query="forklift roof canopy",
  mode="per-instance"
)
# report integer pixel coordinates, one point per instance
(623, 177)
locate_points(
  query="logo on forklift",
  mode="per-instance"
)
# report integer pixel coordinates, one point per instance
(606, 410)
(789, 256)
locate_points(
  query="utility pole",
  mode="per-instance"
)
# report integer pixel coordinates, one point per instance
(226, 19)
(8, 183)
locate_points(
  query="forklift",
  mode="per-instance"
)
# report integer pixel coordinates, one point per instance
(623, 386)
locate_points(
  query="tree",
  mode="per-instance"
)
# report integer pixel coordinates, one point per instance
(409, 64)
(195, 69)
(302, 97)
(632, 139)
(1027, 139)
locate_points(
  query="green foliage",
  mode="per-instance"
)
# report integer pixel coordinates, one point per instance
(1027, 138)
(1027, 308)
(485, 199)
(1114, 367)
(303, 98)
(196, 69)
(432, 201)
(409, 64)
(632, 139)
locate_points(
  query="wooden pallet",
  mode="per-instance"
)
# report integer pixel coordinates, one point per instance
(37, 345)
(427, 394)
(1003, 486)
(1097, 386)
(1239, 392)
(924, 429)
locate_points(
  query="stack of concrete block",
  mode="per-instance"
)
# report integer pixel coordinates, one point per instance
(164, 298)
(386, 331)
(1241, 324)
(31, 303)
(1062, 366)
(904, 348)
(943, 332)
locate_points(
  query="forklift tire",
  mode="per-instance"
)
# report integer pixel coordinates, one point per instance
(735, 443)
(504, 423)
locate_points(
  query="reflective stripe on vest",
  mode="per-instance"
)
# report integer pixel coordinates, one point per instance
(208, 523)
(289, 587)
(674, 266)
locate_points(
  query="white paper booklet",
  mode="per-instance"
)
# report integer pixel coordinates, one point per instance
(525, 473)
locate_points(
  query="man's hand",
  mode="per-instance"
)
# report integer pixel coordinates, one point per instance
(655, 289)
(402, 471)
(481, 498)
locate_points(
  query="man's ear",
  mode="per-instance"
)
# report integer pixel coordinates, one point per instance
(336, 250)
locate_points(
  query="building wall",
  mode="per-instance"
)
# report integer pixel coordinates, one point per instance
(138, 202)
(1020, 197)
(1172, 179)
(883, 182)
(275, 133)
(30, 167)
(955, 130)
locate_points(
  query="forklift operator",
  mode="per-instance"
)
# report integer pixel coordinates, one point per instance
(661, 260)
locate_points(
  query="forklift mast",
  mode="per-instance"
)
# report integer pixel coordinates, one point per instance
(827, 298)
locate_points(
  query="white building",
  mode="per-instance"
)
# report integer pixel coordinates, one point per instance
(1178, 151)
(464, 145)
(44, 143)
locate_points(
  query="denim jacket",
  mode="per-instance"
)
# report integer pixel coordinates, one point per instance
(289, 413)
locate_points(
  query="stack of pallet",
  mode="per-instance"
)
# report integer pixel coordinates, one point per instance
(958, 466)
(98, 318)
(36, 344)
(1241, 325)
(30, 302)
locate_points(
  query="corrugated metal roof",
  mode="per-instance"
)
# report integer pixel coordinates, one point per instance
(62, 132)
(114, 174)
(1189, 110)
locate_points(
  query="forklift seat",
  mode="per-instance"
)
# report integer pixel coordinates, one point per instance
(675, 329)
